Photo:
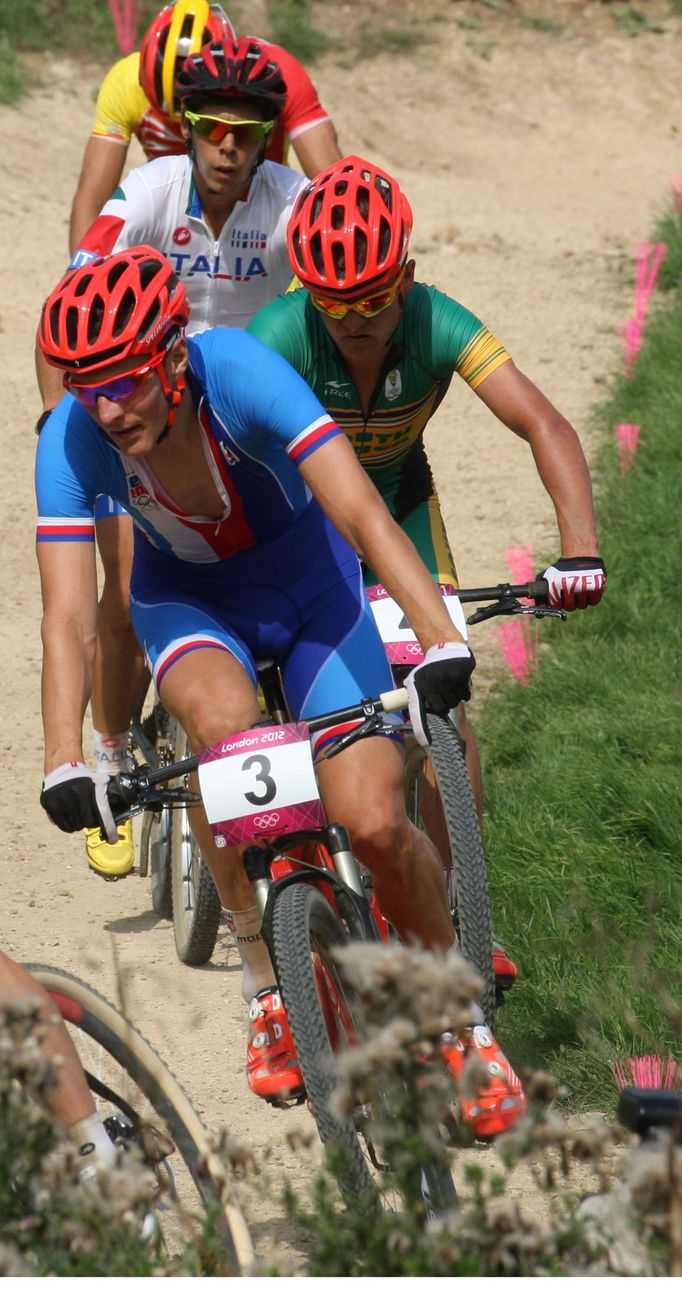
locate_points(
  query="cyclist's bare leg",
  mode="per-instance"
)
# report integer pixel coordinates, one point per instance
(119, 672)
(71, 1100)
(362, 789)
(232, 706)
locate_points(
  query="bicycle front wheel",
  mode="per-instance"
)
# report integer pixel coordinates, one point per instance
(196, 904)
(305, 933)
(132, 1084)
(323, 1016)
(439, 800)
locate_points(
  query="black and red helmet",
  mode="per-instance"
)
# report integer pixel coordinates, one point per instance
(113, 309)
(178, 30)
(232, 68)
(349, 230)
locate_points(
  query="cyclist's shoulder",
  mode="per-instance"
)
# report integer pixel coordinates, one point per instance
(214, 351)
(432, 319)
(291, 66)
(71, 447)
(120, 92)
(280, 181)
(239, 372)
(287, 313)
(162, 174)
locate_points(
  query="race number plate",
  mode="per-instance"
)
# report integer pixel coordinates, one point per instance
(402, 648)
(260, 783)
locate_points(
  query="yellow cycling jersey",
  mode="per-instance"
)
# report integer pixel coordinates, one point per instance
(123, 111)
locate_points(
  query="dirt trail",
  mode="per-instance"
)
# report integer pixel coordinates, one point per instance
(532, 174)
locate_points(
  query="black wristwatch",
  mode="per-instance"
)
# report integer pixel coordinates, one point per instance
(42, 420)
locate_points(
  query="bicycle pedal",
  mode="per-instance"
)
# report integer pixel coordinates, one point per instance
(285, 1101)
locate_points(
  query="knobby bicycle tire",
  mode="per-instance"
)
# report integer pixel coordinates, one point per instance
(468, 885)
(196, 904)
(161, 880)
(86, 1011)
(305, 924)
(306, 930)
(158, 728)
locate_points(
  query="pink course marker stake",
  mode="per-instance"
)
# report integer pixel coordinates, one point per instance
(627, 436)
(677, 191)
(511, 640)
(125, 16)
(520, 562)
(648, 260)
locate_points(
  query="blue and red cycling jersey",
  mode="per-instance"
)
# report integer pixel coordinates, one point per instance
(259, 421)
(271, 579)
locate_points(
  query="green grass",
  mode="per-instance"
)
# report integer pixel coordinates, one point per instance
(290, 25)
(584, 824)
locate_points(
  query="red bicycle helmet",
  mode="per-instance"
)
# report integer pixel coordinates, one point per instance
(232, 68)
(113, 309)
(179, 30)
(349, 230)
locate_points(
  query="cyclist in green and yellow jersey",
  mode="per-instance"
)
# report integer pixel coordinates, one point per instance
(380, 349)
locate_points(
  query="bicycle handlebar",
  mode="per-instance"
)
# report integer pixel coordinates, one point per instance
(537, 589)
(135, 791)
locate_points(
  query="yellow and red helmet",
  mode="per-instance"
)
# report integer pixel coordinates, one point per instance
(177, 31)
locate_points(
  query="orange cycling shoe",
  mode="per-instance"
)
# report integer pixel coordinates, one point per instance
(272, 1068)
(504, 969)
(500, 1103)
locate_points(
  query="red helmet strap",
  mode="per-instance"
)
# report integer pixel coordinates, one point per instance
(173, 393)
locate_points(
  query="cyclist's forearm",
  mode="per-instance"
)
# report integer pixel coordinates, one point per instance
(68, 656)
(563, 469)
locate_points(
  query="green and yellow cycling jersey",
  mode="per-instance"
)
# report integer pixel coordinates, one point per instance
(436, 338)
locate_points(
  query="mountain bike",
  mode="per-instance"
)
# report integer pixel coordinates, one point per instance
(142, 1104)
(315, 898)
(438, 794)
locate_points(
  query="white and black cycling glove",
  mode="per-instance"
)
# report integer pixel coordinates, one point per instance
(575, 582)
(441, 681)
(75, 798)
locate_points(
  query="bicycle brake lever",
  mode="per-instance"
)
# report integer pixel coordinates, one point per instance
(545, 612)
(505, 606)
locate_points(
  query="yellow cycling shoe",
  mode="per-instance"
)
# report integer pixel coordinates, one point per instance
(111, 860)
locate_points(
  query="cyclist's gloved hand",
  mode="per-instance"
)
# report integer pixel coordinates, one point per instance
(439, 683)
(75, 798)
(575, 582)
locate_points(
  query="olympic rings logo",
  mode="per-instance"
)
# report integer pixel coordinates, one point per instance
(414, 649)
(267, 821)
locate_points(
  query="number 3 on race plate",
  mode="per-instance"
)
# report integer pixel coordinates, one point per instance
(400, 642)
(260, 783)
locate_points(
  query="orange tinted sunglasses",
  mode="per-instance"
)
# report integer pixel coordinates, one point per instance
(367, 306)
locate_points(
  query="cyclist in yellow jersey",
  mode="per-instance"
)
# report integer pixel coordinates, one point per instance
(136, 99)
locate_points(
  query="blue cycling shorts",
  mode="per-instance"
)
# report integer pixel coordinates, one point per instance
(298, 600)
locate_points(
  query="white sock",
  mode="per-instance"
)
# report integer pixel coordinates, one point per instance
(95, 1149)
(257, 971)
(111, 751)
(477, 1010)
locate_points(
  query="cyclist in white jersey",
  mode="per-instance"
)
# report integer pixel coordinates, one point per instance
(219, 214)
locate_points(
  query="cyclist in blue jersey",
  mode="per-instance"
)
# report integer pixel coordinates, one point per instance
(219, 212)
(250, 513)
